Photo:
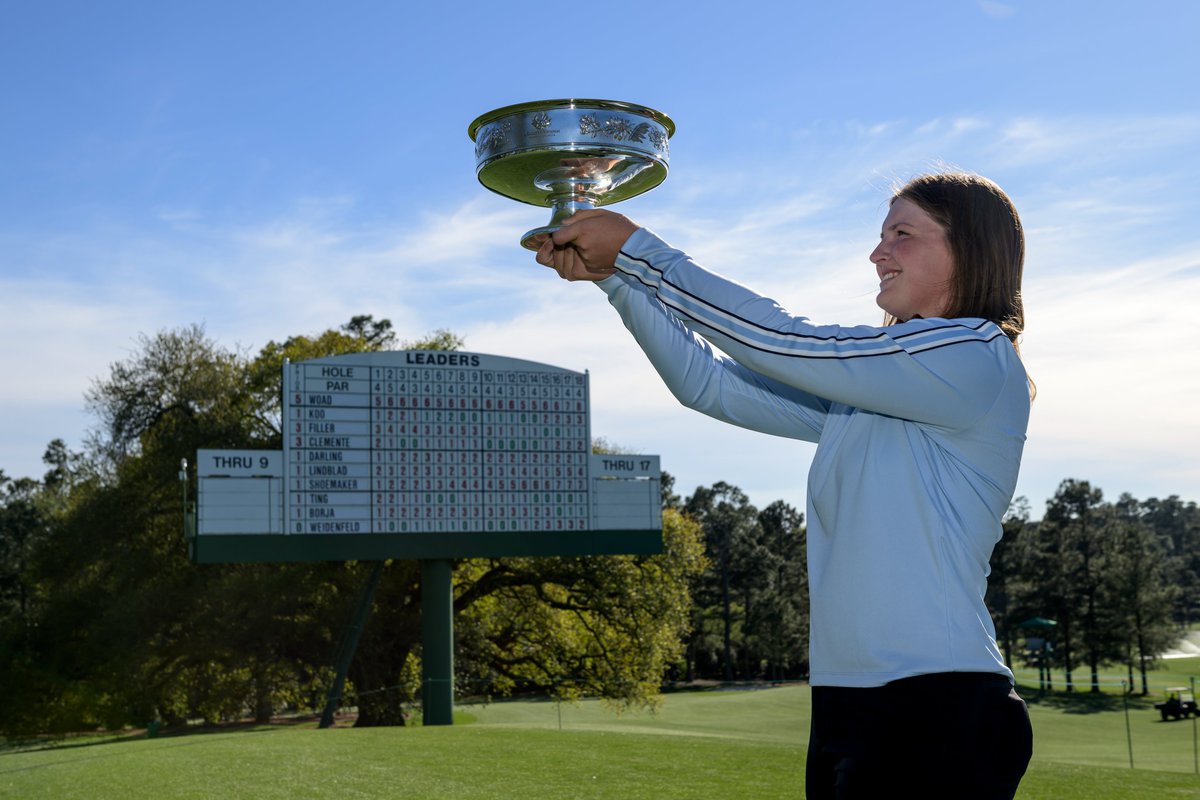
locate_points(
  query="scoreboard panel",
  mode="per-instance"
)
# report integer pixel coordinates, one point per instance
(423, 441)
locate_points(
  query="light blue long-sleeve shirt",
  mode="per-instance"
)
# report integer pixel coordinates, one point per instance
(919, 429)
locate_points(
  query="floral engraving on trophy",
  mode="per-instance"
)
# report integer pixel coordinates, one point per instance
(541, 121)
(493, 138)
(588, 125)
(620, 129)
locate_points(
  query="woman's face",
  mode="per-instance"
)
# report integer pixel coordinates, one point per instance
(913, 262)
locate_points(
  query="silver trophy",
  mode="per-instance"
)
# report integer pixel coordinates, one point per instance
(570, 155)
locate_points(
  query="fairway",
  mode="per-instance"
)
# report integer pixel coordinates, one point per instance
(710, 745)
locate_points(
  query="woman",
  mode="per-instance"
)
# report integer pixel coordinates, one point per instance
(919, 426)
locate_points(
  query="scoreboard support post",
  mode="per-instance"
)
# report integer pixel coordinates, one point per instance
(349, 644)
(437, 642)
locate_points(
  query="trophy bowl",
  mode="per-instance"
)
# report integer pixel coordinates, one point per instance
(570, 155)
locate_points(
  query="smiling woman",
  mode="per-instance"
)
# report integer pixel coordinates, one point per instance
(962, 234)
(914, 263)
(919, 424)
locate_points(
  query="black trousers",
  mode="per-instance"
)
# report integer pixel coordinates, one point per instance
(946, 736)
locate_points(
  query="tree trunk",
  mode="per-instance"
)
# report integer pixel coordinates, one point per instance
(1142, 667)
(1067, 665)
(262, 698)
(381, 708)
(727, 608)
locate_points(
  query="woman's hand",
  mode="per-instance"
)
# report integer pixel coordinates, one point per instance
(585, 248)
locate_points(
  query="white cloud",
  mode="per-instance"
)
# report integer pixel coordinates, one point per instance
(1083, 143)
(55, 336)
(465, 235)
(997, 10)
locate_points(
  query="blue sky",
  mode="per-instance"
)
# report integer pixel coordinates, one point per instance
(271, 168)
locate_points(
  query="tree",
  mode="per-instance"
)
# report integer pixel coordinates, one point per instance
(1140, 599)
(175, 381)
(1076, 515)
(22, 523)
(1047, 562)
(131, 625)
(1004, 580)
(731, 531)
(1104, 572)
(780, 623)
(605, 625)
(669, 498)
(750, 618)
(1177, 524)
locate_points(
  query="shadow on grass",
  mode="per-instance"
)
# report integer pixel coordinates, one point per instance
(99, 739)
(1083, 702)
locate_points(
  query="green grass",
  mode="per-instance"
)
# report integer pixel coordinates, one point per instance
(1168, 672)
(723, 745)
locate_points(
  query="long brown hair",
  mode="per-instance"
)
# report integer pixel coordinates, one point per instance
(986, 241)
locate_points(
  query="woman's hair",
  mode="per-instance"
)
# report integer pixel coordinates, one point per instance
(986, 241)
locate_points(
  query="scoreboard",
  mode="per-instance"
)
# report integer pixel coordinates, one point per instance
(419, 442)
(429, 454)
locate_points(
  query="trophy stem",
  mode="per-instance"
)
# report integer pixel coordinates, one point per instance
(562, 206)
